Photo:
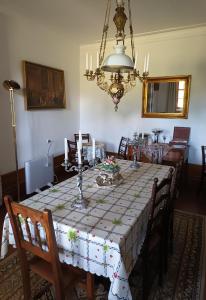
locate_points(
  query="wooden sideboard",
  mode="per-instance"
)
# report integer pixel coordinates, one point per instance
(175, 155)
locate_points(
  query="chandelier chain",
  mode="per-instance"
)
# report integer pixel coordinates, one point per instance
(131, 31)
(104, 33)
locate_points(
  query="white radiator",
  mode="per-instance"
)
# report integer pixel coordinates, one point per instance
(39, 173)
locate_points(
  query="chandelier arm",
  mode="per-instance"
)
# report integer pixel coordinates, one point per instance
(104, 33)
(131, 31)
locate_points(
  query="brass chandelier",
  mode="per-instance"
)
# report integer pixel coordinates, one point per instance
(116, 74)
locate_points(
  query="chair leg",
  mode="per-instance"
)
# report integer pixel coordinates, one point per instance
(90, 286)
(201, 183)
(162, 260)
(171, 237)
(25, 276)
(2, 217)
(145, 291)
(59, 292)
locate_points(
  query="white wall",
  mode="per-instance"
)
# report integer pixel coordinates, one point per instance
(173, 53)
(21, 39)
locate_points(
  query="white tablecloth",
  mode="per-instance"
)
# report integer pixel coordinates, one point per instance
(106, 237)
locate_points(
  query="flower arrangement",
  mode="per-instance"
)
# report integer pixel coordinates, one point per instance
(110, 165)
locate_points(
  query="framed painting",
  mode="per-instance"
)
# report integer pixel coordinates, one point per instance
(45, 88)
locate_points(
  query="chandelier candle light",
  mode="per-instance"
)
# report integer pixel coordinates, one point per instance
(117, 73)
(65, 150)
(93, 153)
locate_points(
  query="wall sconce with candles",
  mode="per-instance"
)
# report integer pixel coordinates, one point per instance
(121, 68)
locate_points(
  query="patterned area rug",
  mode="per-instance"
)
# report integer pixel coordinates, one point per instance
(184, 280)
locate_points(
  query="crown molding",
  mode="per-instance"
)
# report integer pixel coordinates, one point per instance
(166, 34)
(172, 33)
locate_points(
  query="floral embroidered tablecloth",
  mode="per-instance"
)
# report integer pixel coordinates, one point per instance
(106, 237)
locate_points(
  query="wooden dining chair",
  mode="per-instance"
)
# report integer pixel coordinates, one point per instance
(174, 195)
(156, 230)
(27, 224)
(203, 170)
(72, 152)
(181, 134)
(85, 137)
(122, 151)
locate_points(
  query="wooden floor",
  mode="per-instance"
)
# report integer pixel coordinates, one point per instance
(192, 200)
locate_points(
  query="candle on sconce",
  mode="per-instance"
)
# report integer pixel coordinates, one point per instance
(65, 149)
(120, 3)
(80, 139)
(79, 153)
(97, 59)
(87, 61)
(147, 64)
(90, 62)
(93, 149)
(135, 63)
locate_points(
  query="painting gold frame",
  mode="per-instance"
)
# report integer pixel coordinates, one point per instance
(44, 87)
(166, 79)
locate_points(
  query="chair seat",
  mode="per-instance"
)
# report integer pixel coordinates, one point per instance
(44, 269)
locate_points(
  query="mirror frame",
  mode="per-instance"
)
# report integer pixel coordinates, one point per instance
(181, 115)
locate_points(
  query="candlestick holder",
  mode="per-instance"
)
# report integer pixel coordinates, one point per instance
(137, 143)
(80, 202)
(68, 167)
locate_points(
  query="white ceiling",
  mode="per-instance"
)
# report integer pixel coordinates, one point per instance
(83, 19)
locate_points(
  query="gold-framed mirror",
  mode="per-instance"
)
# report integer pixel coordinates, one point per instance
(166, 97)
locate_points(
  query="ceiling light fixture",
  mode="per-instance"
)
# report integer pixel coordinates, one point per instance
(117, 73)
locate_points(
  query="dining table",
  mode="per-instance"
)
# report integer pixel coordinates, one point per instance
(106, 237)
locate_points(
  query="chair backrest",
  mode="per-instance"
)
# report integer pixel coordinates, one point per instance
(203, 155)
(159, 201)
(181, 133)
(72, 149)
(28, 225)
(123, 145)
(85, 137)
(175, 185)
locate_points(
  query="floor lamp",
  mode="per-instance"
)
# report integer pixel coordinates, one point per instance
(10, 86)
